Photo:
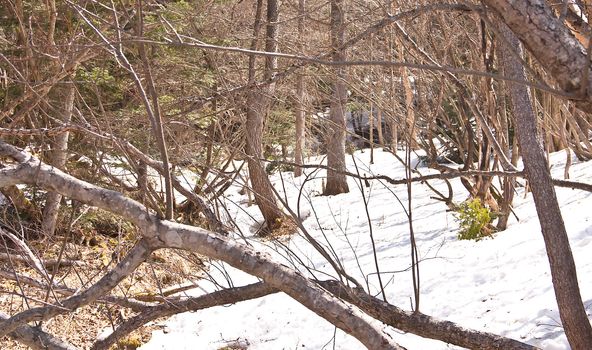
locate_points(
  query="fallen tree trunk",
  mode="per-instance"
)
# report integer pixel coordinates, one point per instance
(167, 309)
(421, 324)
(165, 234)
(325, 298)
(416, 323)
(35, 338)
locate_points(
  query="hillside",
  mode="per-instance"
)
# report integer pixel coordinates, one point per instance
(500, 285)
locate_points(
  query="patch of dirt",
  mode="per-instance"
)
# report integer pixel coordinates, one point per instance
(160, 276)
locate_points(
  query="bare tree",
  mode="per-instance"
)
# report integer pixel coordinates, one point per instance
(58, 157)
(563, 271)
(324, 298)
(300, 95)
(258, 101)
(440, 104)
(335, 139)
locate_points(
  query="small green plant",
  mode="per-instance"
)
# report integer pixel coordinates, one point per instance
(474, 219)
(129, 343)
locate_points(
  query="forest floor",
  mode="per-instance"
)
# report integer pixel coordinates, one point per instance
(500, 285)
(164, 271)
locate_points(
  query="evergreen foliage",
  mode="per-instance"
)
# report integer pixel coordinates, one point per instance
(473, 218)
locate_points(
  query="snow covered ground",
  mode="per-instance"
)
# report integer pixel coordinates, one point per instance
(500, 285)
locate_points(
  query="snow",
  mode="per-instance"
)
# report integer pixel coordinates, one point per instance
(499, 285)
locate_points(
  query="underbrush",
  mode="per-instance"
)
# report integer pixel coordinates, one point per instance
(474, 220)
(85, 246)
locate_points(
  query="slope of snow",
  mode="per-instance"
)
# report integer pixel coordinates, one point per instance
(499, 285)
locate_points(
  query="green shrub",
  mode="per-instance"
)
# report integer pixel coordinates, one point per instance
(474, 219)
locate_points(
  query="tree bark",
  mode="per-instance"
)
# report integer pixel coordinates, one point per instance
(36, 338)
(57, 158)
(563, 271)
(552, 43)
(257, 107)
(336, 179)
(422, 324)
(300, 116)
(158, 234)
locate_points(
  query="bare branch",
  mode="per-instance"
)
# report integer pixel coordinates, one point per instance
(222, 297)
(160, 234)
(35, 338)
(49, 263)
(214, 223)
(138, 254)
(421, 324)
(134, 304)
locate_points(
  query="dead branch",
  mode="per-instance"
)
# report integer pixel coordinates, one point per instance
(421, 324)
(35, 338)
(162, 295)
(164, 234)
(48, 263)
(452, 174)
(133, 304)
(573, 185)
(30, 256)
(138, 254)
(125, 146)
(416, 323)
(222, 297)
(449, 174)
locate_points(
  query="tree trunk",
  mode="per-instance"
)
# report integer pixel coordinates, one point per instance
(563, 270)
(379, 126)
(257, 106)
(300, 116)
(336, 179)
(409, 101)
(509, 183)
(155, 117)
(552, 43)
(57, 158)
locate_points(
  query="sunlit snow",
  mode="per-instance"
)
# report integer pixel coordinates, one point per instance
(499, 285)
